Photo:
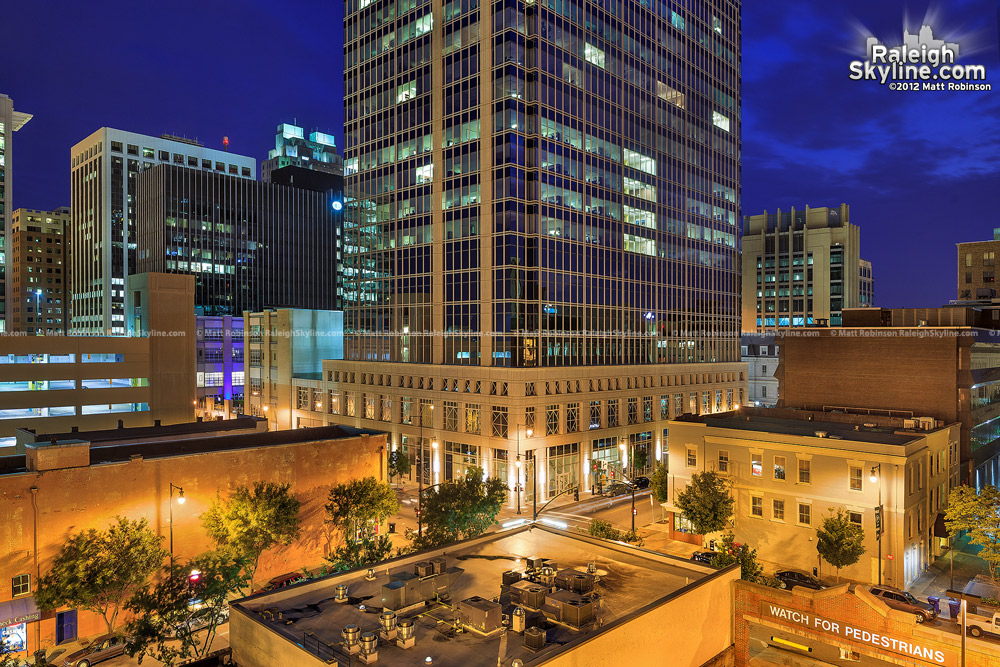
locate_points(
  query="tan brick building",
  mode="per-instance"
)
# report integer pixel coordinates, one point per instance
(74, 484)
(977, 269)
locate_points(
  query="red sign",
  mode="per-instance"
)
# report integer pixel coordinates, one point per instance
(889, 556)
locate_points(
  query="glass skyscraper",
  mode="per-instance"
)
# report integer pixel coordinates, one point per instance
(543, 225)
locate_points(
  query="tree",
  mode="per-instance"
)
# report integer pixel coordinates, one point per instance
(399, 464)
(978, 514)
(252, 521)
(7, 657)
(363, 552)
(731, 551)
(706, 502)
(606, 531)
(661, 484)
(840, 542)
(461, 509)
(355, 506)
(98, 570)
(161, 611)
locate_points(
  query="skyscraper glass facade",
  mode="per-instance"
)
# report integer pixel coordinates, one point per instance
(542, 184)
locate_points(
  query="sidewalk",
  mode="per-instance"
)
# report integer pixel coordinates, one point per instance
(937, 579)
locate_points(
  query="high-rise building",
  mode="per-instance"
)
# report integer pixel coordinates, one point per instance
(291, 148)
(38, 271)
(10, 122)
(105, 166)
(542, 241)
(250, 245)
(802, 268)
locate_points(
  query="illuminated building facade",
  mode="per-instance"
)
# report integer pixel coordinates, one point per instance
(291, 148)
(39, 277)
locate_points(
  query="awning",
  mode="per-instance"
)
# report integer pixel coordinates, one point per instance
(19, 610)
(939, 528)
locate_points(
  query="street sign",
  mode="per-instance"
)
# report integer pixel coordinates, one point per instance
(878, 522)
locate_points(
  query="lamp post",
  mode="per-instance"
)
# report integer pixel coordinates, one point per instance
(876, 476)
(180, 501)
(517, 465)
(38, 312)
(420, 469)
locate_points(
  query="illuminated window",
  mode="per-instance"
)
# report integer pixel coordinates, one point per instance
(637, 244)
(692, 457)
(757, 465)
(640, 162)
(406, 91)
(720, 121)
(594, 55)
(779, 468)
(855, 476)
(425, 174)
(637, 216)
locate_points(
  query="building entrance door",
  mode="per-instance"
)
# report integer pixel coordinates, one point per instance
(65, 626)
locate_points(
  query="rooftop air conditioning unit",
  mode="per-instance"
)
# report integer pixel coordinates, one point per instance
(534, 639)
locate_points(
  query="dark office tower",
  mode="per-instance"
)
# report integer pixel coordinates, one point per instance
(10, 122)
(544, 212)
(250, 245)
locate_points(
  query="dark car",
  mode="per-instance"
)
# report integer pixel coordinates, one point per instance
(903, 601)
(793, 578)
(705, 557)
(102, 648)
(617, 489)
(641, 482)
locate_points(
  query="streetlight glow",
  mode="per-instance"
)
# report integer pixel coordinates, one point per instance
(180, 497)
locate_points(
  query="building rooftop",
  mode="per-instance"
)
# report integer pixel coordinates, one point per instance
(629, 582)
(216, 426)
(746, 420)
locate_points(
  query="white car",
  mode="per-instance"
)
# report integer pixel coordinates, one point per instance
(200, 620)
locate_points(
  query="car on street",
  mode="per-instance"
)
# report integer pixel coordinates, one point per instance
(705, 557)
(641, 482)
(617, 489)
(899, 599)
(100, 649)
(793, 578)
(200, 619)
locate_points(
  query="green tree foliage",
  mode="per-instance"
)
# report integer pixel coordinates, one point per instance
(660, 482)
(7, 657)
(978, 514)
(461, 509)
(354, 507)
(161, 611)
(731, 551)
(840, 542)
(98, 570)
(399, 464)
(606, 531)
(252, 521)
(706, 502)
(363, 552)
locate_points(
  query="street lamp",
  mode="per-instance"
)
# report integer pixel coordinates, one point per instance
(876, 476)
(38, 319)
(517, 465)
(180, 501)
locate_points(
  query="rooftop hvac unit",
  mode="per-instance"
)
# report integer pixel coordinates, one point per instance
(351, 635)
(909, 423)
(387, 625)
(480, 614)
(572, 580)
(405, 637)
(534, 639)
(439, 564)
(423, 568)
(528, 594)
(369, 648)
(511, 577)
(341, 596)
(534, 562)
(926, 423)
(569, 609)
(550, 563)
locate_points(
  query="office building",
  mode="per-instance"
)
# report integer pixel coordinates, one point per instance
(10, 122)
(564, 599)
(54, 383)
(291, 148)
(105, 168)
(250, 245)
(284, 353)
(908, 362)
(524, 276)
(38, 276)
(760, 353)
(790, 469)
(220, 373)
(802, 268)
(65, 483)
(977, 270)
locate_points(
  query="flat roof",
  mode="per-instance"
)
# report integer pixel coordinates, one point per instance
(630, 581)
(803, 427)
(170, 430)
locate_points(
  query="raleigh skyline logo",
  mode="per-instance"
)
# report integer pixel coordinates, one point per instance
(921, 62)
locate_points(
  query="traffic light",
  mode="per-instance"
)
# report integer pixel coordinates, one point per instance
(634, 511)
(612, 474)
(576, 493)
(193, 580)
(418, 513)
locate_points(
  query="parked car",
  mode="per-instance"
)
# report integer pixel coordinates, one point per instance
(705, 557)
(641, 482)
(199, 619)
(100, 649)
(898, 599)
(793, 578)
(281, 581)
(617, 489)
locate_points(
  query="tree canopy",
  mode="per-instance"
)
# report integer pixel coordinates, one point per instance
(706, 502)
(660, 483)
(354, 506)
(461, 509)
(252, 521)
(98, 570)
(840, 542)
(161, 611)
(399, 464)
(978, 514)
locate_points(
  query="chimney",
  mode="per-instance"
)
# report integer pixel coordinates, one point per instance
(121, 423)
(156, 422)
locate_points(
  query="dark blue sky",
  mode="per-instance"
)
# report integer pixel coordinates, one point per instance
(921, 170)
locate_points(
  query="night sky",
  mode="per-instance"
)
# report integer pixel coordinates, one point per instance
(921, 170)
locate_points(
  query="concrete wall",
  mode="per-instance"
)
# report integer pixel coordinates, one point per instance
(48, 506)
